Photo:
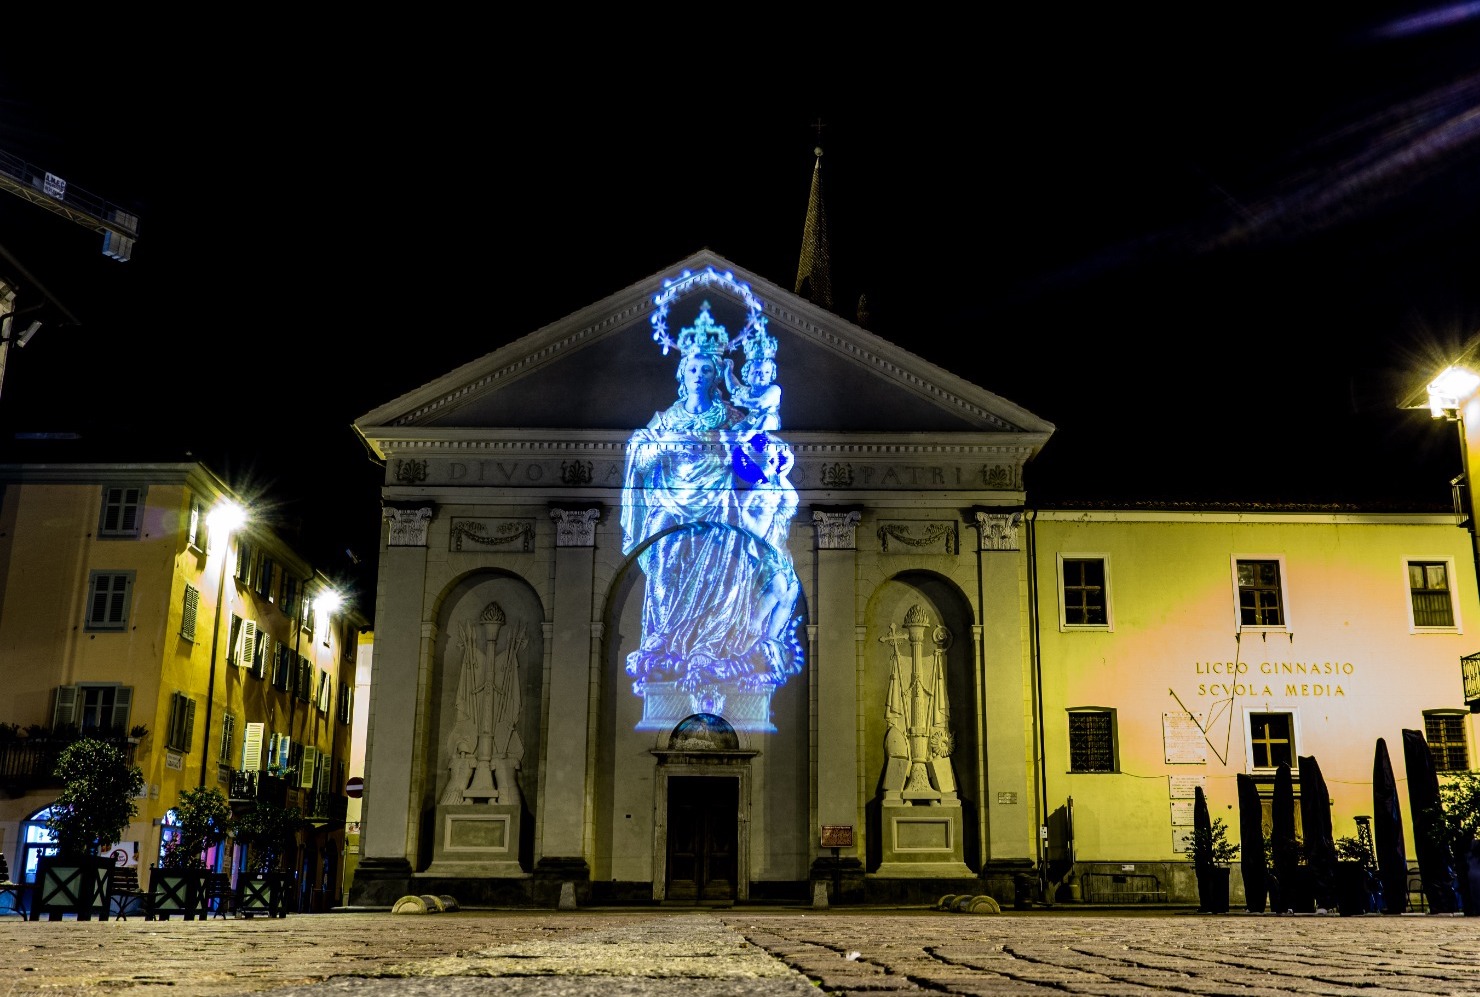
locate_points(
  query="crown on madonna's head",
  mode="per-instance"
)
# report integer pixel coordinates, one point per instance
(704, 336)
(760, 345)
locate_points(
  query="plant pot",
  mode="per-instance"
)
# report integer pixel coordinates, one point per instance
(179, 892)
(1355, 887)
(1212, 890)
(266, 894)
(71, 884)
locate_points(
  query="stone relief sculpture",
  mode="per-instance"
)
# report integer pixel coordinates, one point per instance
(707, 505)
(484, 746)
(917, 741)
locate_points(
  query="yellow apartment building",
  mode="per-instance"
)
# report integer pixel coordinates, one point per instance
(217, 658)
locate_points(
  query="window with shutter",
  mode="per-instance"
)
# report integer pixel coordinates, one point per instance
(108, 600)
(290, 596)
(122, 512)
(195, 525)
(188, 611)
(182, 722)
(243, 561)
(282, 666)
(303, 686)
(123, 698)
(326, 688)
(308, 770)
(252, 747)
(100, 707)
(266, 573)
(64, 712)
(228, 735)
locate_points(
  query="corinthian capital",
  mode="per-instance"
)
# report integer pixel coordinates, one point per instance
(836, 530)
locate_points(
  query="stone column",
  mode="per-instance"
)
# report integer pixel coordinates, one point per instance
(573, 661)
(402, 652)
(834, 670)
(1009, 796)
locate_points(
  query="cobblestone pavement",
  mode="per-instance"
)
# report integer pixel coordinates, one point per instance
(741, 952)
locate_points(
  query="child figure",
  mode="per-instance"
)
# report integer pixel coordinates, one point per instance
(758, 393)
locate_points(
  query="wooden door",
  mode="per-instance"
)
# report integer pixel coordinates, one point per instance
(702, 834)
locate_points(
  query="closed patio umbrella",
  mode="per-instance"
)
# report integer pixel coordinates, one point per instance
(1435, 863)
(1286, 893)
(1387, 833)
(1251, 843)
(1320, 846)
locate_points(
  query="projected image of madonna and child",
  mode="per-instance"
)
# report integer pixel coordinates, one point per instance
(707, 506)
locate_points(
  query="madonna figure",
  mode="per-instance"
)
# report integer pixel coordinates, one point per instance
(719, 602)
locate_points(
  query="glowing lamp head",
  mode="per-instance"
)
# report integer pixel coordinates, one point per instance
(1450, 389)
(327, 602)
(227, 517)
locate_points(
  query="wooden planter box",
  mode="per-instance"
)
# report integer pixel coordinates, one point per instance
(265, 894)
(176, 892)
(72, 884)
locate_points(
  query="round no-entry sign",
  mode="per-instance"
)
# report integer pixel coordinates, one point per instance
(354, 788)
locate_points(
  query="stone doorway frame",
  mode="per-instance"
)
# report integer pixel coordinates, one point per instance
(720, 764)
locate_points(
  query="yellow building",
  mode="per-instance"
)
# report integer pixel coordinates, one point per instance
(1177, 649)
(217, 658)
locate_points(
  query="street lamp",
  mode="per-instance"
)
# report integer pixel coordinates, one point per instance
(225, 519)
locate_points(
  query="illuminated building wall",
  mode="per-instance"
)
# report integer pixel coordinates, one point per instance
(704, 593)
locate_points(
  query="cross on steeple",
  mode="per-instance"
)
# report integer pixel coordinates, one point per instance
(817, 126)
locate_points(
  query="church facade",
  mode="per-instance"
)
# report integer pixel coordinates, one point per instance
(704, 594)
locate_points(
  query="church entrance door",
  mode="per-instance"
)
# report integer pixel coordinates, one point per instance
(702, 825)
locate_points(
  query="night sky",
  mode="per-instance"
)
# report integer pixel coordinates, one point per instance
(1215, 249)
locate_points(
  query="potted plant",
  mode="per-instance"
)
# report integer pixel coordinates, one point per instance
(1212, 852)
(268, 829)
(97, 802)
(1359, 888)
(177, 884)
(1459, 798)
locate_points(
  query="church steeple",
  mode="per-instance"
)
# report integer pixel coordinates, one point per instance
(814, 270)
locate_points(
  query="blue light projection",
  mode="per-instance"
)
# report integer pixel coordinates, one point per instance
(707, 506)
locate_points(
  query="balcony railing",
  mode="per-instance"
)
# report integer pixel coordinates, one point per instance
(326, 808)
(248, 787)
(30, 762)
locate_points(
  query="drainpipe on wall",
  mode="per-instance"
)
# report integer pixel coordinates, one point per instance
(1035, 657)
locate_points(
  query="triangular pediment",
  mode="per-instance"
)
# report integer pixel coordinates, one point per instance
(600, 369)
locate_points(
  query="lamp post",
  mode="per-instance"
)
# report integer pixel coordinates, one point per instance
(225, 519)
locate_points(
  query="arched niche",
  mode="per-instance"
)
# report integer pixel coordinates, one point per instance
(945, 605)
(461, 614)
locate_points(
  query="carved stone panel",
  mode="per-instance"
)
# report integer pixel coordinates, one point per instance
(514, 536)
(918, 537)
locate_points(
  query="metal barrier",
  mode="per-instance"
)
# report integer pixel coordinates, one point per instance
(1121, 888)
